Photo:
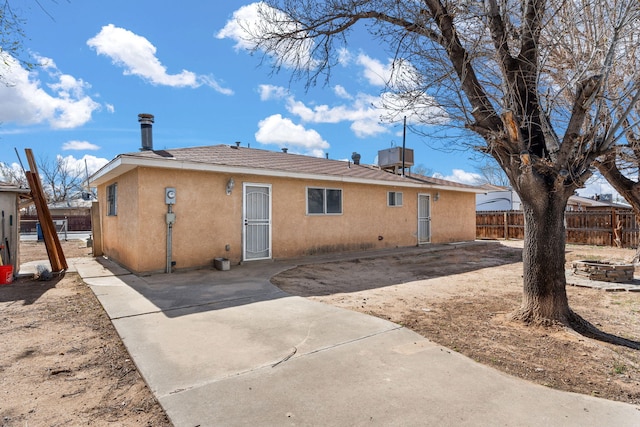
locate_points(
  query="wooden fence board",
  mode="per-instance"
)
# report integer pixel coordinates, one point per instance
(611, 227)
(74, 223)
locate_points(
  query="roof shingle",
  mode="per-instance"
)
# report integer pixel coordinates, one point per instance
(225, 155)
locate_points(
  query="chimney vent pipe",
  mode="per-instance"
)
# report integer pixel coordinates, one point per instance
(284, 150)
(356, 158)
(146, 122)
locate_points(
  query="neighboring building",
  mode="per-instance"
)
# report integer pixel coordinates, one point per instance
(497, 198)
(579, 203)
(248, 204)
(68, 215)
(72, 207)
(10, 223)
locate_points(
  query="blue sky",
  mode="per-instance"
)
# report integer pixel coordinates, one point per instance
(104, 62)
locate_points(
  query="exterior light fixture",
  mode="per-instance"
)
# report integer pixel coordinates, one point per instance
(436, 197)
(230, 184)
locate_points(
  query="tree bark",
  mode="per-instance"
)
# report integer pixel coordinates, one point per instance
(544, 298)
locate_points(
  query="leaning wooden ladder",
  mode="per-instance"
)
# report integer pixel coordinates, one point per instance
(51, 241)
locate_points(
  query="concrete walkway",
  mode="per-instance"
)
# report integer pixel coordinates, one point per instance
(227, 348)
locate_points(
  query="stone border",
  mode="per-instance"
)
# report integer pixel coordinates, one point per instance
(584, 282)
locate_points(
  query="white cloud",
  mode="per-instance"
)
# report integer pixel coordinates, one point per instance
(92, 163)
(79, 145)
(278, 130)
(341, 92)
(137, 56)
(247, 26)
(397, 74)
(361, 109)
(597, 185)
(268, 92)
(215, 85)
(364, 112)
(419, 108)
(461, 176)
(344, 56)
(241, 25)
(375, 72)
(369, 115)
(110, 108)
(25, 100)
(15, 170)
(367, 128)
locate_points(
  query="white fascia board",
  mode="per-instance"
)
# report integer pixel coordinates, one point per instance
(126, 164)
(105, 173)
(15, 190)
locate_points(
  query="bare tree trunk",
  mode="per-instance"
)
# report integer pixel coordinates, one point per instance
(544, 299)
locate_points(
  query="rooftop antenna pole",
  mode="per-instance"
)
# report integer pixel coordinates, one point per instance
(20, 160)
(404, 139)
(86, 171)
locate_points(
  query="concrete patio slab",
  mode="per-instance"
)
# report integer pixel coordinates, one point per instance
(228, 348)
(396, 378)
(204, 344)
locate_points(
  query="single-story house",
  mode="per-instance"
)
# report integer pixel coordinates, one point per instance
(498, 198)
(185, 207)
(73, 207)
(596, 203)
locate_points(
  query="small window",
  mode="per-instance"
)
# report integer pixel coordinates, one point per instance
(395, 198)
(322, 201)
(112, 199)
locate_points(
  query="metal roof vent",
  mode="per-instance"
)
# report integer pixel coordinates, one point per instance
(284, 150)
(146, 123)
(356, 158)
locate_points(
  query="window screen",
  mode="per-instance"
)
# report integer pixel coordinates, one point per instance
(112, 196)
(395, 198)
(321, 201)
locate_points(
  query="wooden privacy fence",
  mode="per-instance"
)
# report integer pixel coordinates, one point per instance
(613, 227)
(74, 223)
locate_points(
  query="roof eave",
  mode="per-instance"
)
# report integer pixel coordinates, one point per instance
(125, 163)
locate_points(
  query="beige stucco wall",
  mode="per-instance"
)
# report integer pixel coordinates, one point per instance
(453, 217)
(120, 232)
(365, 219)
(208, 221)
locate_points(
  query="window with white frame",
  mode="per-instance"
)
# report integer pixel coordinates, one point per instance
(394, 198)
(112, 199)
(324, 201)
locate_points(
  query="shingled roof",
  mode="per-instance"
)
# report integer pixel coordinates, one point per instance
(225, 158)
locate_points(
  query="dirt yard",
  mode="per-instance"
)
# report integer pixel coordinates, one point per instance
(63, 364)
(460, 299)
(62, 361)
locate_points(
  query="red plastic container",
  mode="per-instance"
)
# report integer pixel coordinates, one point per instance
(6, 274)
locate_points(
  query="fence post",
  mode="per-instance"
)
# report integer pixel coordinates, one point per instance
(506, 227)
(616, 224)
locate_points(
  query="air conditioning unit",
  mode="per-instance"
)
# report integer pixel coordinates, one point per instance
(392, 158)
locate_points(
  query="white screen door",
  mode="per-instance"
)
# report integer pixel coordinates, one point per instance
(424, 219)
(257, 221)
